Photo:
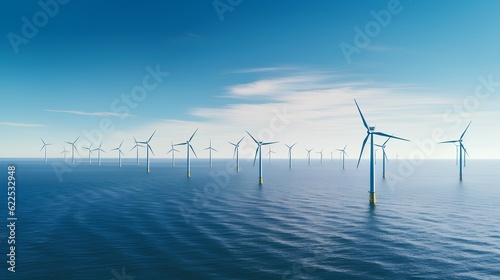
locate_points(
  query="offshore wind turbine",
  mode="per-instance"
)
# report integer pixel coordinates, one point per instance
(148, 148)
(73, 148)
(269, 153)
(331, 155)
(370, 131)
(290, 155)
(99, 150)
(210, 149)
(188, 147)
(384, 156)
(236, 152)
(173, 150)
(461, 147)
(90, 152)
(64, 152)
(259, 151)
(321, 153)
(44, 147)
(343, 153)
(309, 156)
(120, 153)
(137, 146)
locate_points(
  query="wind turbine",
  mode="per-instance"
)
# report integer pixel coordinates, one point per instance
(370, 131)
(236, 152)
(269, 153)
(120, 153)
(99, 150)
(384, 156)
(331, 155)
(259, 151)
(64, 152)
(137, 146)
(309, 156)
(90, 152)
(148, 148)
(45, 147)
(290, 155)
(210, 149)
(73, 148)
(188, 146)
(462, 147)
(343, 153)
(173, 150)
(321, 153)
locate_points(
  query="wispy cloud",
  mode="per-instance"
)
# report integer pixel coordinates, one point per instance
(96, 114)
(262, 70)
(21, 124)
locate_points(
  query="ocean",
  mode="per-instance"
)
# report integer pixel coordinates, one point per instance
(311, 222)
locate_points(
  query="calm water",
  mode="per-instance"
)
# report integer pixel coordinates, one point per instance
(103, 222)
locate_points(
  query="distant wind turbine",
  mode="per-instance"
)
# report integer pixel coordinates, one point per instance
(290, 155)
(64, 152)
(44, 147)
(120, 153)
(259, 151)
(384, 156)
(137, 146)
(148, 148)
(236, 152)
(343, 153)
(173, 150)
(188, 147)
(462, 147)
(210, 149)
(73, 148)
(99, 150)
(309, 156)
(269, 154)
(321, 154)
(370, 131)
(90, 152)
(331, 155)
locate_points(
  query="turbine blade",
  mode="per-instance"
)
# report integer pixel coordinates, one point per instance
(191, 147)
(231, 143)
(118, 146)
(234, 153)
(269, 143)
(465, 150)
(252, 137)
(362, 148)
(240, 140)
(76, 139)
(181, 144)
(465, 130)
(151, 136)
(344, 147)
(390, 136)
(451, 141)
(361, 114)
(386, 141)
(151, 149)
(192, 135)
(255, 157)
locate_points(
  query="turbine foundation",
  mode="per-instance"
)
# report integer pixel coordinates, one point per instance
(373, 198)
(260, 181)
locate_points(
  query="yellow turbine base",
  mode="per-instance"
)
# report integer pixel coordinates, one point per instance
(373, 198)
(189, 174)
(383, 175)
(261, 181)
(148, 170)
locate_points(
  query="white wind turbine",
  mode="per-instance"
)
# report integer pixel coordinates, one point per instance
(148, 148)
(44, 147)
(90, 152)
(290, 155)
(259, 151)
(236, 152)
(188, 147)
(120, 153)
(99, 150)
(137, 146)
(343, 153)
(64, 152)
(309, 156)
(173, 150)
(73, 148)
(210, 149)
(321, 153)
(269, 154)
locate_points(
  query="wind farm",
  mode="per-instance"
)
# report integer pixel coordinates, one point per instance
(190, 139)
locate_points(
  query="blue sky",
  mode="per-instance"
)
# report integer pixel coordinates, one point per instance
(275, 68)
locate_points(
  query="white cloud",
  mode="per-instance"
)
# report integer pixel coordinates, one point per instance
(97, 114)
(21, 124)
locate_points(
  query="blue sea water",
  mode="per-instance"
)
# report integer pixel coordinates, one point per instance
(311, 222)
